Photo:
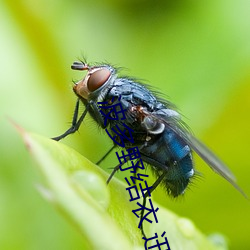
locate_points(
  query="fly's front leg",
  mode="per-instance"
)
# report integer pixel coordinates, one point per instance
(75, 123)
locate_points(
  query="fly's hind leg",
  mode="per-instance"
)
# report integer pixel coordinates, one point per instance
(154, 186)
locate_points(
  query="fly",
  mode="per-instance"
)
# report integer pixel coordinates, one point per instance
(164, 141)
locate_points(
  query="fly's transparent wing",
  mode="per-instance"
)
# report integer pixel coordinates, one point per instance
(176, 125)
(208, 156)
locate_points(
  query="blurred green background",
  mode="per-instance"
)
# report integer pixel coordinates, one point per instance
(196, 52)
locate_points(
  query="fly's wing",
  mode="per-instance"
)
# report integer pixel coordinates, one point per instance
(174, 123)
(212, 160)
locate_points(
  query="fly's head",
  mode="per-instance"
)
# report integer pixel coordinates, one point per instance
(95, 81)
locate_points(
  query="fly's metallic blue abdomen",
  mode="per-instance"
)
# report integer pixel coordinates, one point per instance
(171, 154)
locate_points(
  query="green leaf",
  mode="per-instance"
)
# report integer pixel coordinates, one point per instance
(102, 213)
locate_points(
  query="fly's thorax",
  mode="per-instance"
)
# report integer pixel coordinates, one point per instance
(96, 81)
(152, 125)
(154, 122)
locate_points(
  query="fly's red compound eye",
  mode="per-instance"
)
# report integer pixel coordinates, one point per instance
(97, 79)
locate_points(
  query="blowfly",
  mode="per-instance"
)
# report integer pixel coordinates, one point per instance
(163, 139)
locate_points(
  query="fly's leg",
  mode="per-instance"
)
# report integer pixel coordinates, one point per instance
(116, 168)
(154, 186)
(75, 124)
(105, 155)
